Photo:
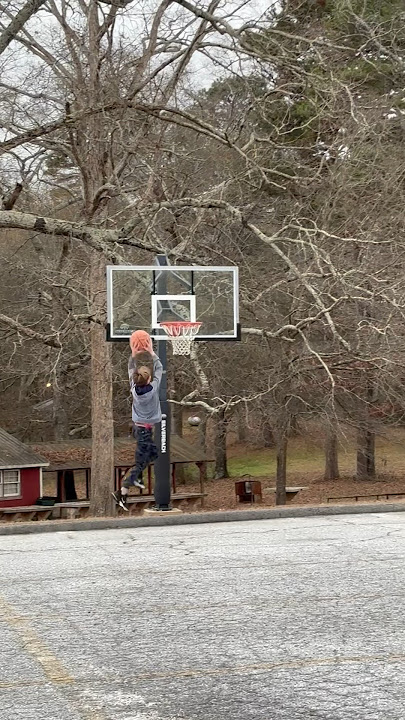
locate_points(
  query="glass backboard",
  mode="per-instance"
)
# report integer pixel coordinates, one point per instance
(139, 297)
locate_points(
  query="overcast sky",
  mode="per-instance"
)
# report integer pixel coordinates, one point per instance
(205, 71)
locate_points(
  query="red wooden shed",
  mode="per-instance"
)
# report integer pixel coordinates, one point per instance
(20, 472)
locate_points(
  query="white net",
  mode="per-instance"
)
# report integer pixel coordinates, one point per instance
(181, 335)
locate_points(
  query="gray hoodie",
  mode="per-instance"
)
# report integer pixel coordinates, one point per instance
(146, 407)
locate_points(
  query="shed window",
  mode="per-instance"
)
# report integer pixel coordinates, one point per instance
(10, 483)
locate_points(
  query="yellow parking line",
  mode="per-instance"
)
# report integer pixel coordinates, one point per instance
(32, 643)
(23, 683)
(297, 664)
(53, 669)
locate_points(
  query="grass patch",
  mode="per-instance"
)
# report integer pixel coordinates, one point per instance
(306, 456)
(253, 462)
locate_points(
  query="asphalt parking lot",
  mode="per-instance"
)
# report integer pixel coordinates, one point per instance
(283, 619)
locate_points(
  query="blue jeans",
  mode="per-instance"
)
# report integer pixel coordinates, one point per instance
(145, 453)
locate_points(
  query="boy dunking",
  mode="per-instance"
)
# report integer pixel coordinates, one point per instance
(145, 374)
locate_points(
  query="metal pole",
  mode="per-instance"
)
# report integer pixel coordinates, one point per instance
(162, 464)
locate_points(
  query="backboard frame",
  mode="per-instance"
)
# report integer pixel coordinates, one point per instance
(112, 336)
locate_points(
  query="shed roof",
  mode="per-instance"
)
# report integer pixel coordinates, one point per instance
(14, 454)
(77, 453)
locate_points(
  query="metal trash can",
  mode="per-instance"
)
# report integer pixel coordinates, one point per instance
(248, 491)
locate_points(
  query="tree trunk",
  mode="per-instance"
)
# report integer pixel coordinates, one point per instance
(60, 417)
(241, 426)
(365, 454)
(221, 465)
(365, 435)
(202, 431)
(59, 414)
(294, 425)
(281, 474)
(102, 456)
(331, 455)
(268, 434)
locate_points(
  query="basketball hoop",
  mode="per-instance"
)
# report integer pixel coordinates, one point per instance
(181, 335)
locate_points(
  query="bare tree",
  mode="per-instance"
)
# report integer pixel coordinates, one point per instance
(304, 192)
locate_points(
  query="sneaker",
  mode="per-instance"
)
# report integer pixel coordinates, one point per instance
(120, 499)
(138, 483)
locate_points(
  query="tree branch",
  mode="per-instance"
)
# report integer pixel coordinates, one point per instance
(50, 340)
(10, 32)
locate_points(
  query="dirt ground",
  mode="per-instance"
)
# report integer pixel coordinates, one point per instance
(221, 493)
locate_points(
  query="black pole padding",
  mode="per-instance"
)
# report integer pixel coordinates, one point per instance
(162, 438)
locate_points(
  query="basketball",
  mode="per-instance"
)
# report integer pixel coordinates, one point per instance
(194, 421)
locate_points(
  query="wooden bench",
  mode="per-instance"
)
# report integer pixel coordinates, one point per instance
(136, 503)
(23, 513)
(71, 509)
(80, 508)
(290, 492)
(377, 496)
